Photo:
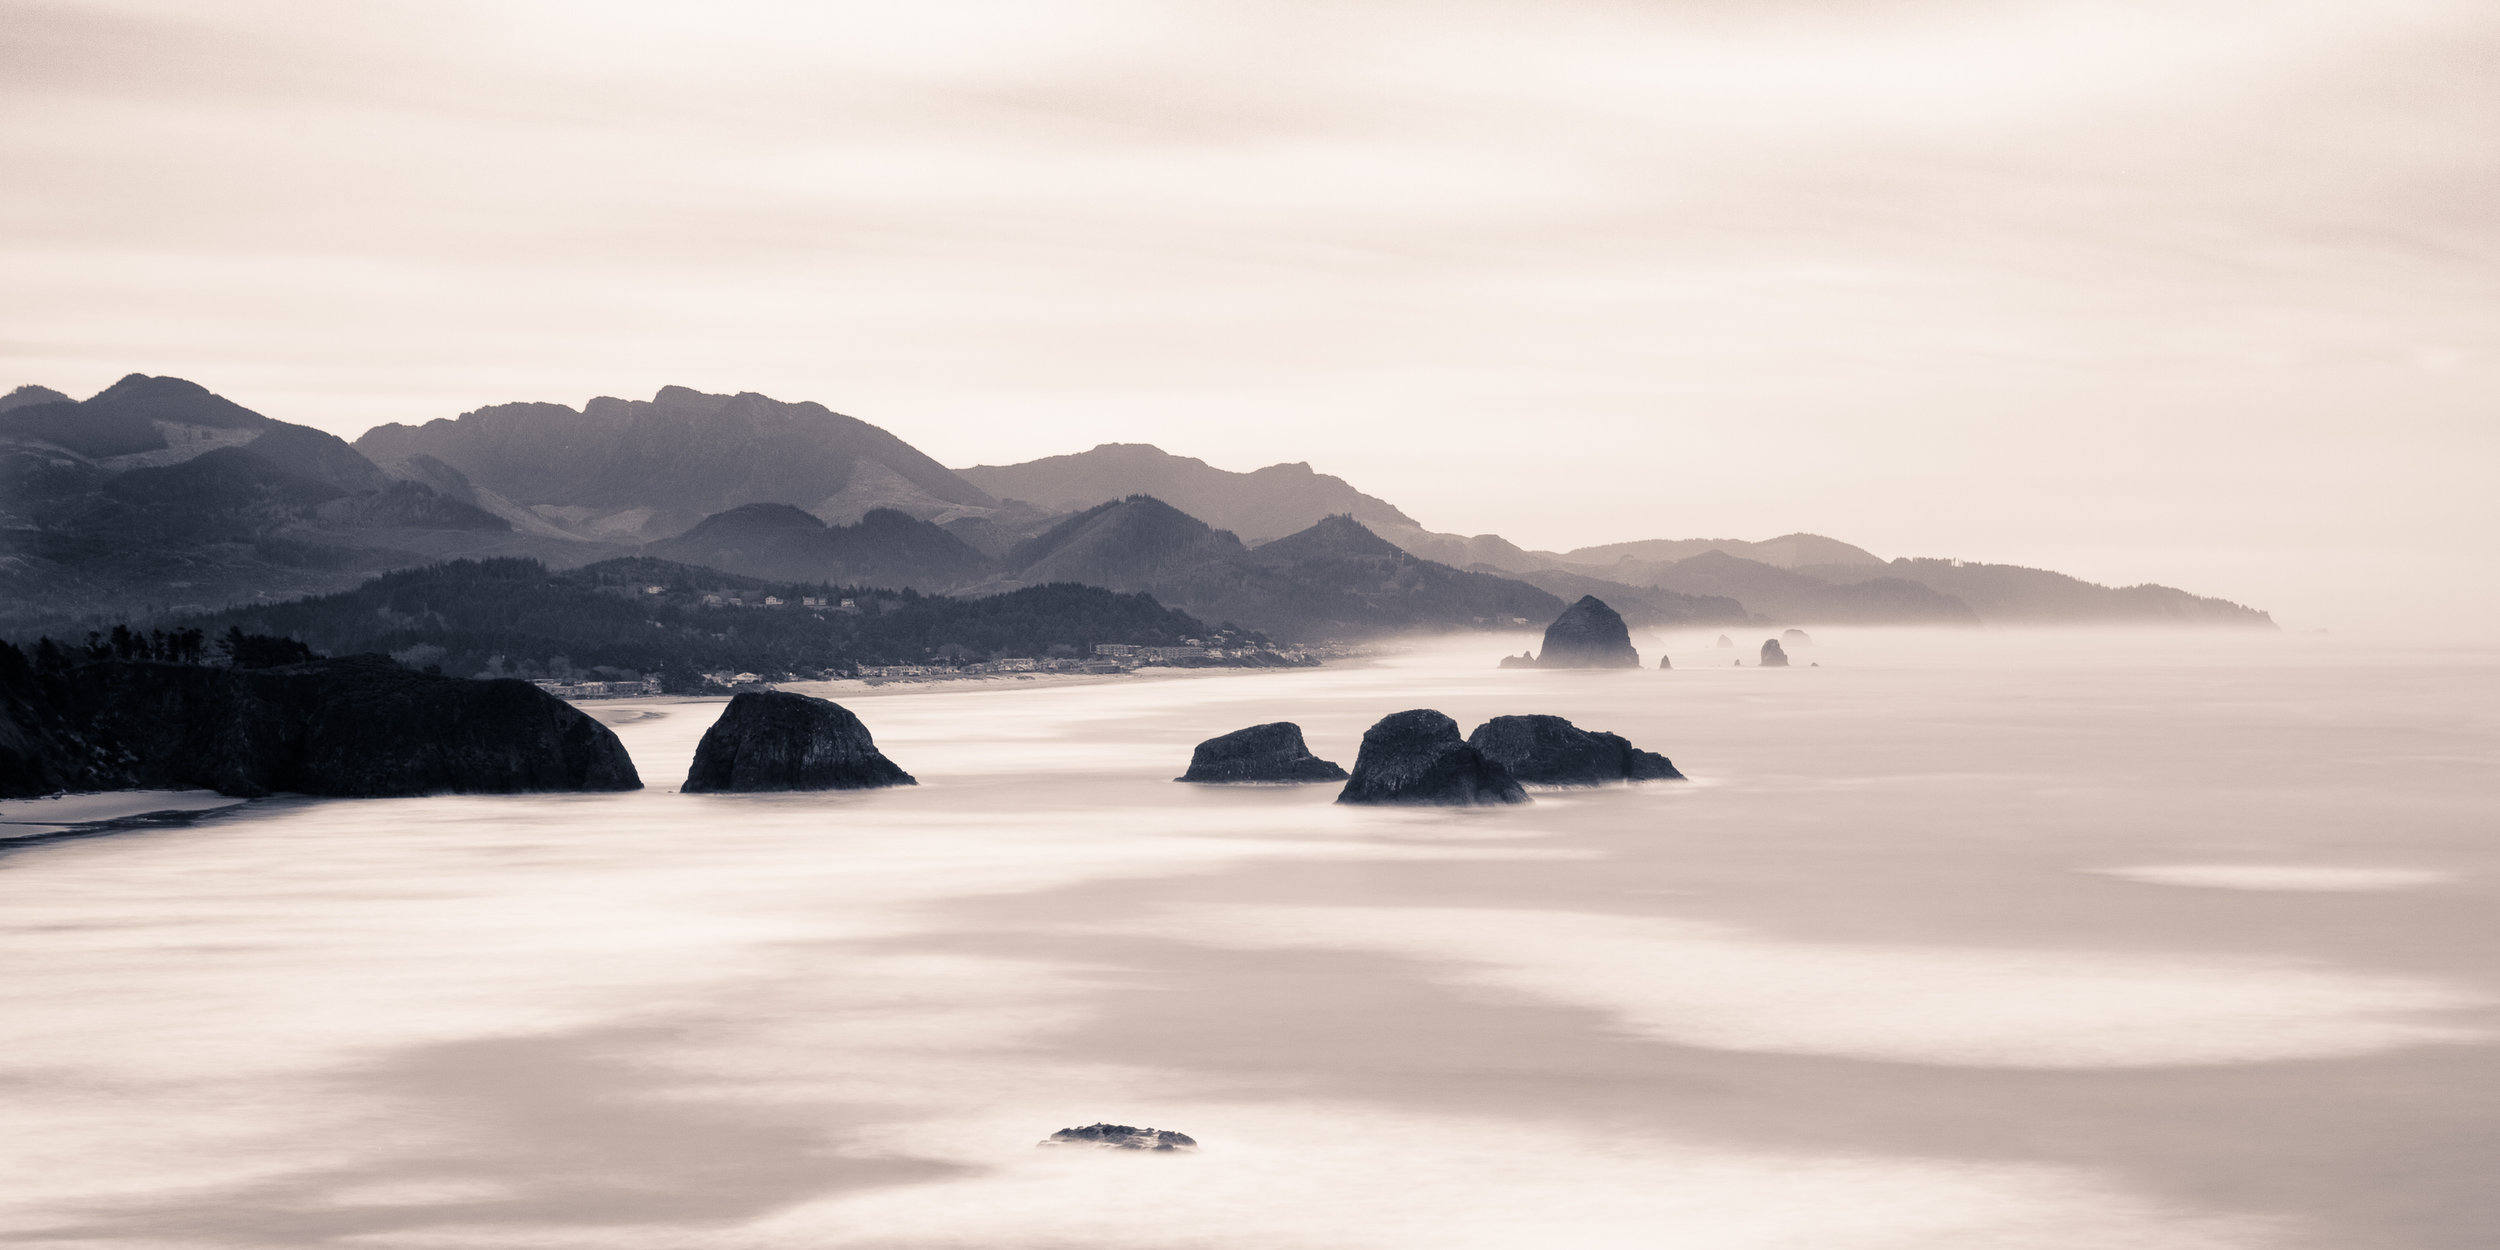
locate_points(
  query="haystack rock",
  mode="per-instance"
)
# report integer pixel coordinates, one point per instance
(1772, 655)
(1551, 751)
(1270, 752)
(1588, 634)
(1796, 638)
(1121, 1137)
(1724, 641)
(777, 740)
(1662, 662)
(1418, 757)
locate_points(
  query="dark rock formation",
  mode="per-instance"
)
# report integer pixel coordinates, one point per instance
(1525, 659)
(1796, 638)
(1588, 634)
(1270, 752)
(1772, 655)
(1662, 662)
(1551, 751)
(1121, 1137)
(1418, 757)
(355, 727)
(776, 740)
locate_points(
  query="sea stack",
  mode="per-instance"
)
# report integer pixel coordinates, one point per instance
(1270, 752)
(1662, 662)
(1796, 638)
(1772, 655)
(1551, 751)
(1418, 757)
(777, 740)
(1588, 634)
(1724, 641)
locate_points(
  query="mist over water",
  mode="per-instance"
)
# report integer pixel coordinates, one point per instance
(1956, 940)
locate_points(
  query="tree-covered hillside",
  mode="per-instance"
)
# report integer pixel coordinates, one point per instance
(638, 615)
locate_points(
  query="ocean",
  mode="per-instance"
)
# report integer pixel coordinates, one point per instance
(1955, 939)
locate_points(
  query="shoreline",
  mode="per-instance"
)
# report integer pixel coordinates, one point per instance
(99, 811)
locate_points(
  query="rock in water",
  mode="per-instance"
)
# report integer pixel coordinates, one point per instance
(777, 740)
(1796, 638)
(1588, 634)
(1724, 641)
(354, 727)
(1772, 655)
(1525, 659)
(1271, 752)
(1121, 1137)
(1662, 662)
(1551, 751)
(1418, 757)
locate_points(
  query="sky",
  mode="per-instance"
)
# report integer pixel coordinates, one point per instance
(2204, 293)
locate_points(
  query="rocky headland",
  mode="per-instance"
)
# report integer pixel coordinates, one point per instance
(352, 727)
(1418, 757)
(1272, 752)
(778, 740)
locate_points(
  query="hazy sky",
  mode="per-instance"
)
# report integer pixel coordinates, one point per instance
(2206, 293)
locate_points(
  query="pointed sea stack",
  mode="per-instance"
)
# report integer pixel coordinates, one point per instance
(1270, 752)
(1772, 655)
(1418, 757)
(1662, 662)
(1551, 751)
(1588, 634)
(782, 741)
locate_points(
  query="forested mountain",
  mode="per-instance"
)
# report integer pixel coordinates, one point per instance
(1258, 506)
(1788, 551)
(623, 618)
(155, 494)
(774, 540)
(2008, 594)
(1784, 597)
(644, 470)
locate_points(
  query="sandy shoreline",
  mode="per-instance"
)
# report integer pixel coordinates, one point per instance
(81, 813)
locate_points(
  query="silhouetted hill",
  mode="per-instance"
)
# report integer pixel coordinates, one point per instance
(1260, 505)
(1130, 544)
(1337, 579)
(646, 470)
(29, 395)
(156, 493)
(775, 540)
(2007, 594)
(1787, 598)
(1789, 551)
(1641, 605)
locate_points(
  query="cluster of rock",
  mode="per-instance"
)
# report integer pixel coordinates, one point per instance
(1418, 757)
(1273, 752)
(1121, 1137)
(1551, 751)
(778, 740)
(353, 727)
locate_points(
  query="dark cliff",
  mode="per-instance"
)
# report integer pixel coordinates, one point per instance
(356, 727)
(784, 741)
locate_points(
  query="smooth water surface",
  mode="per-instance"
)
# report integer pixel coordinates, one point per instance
(1960, 941)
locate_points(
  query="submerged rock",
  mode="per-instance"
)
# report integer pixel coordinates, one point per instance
(1121, 1137)
(1418, 757)
(353, 727)
(1551, 751)
(778, 740)
(1270, 752)
(1588, 634)
(1772, 655)
(1796, 638)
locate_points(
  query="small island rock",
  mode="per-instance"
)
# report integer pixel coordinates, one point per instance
(1525, 659)
(779, 740)
(1662, 662)
(1724, 641)
(1551, 751)
(1418, 757)
(1121, 1137)
(1270, 752)
(1796, 638)
(1772, 655)
(1588, 634)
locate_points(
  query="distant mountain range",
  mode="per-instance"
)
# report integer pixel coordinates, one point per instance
(156, 496)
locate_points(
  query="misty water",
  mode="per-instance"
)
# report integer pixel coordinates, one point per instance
(1957, 940)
